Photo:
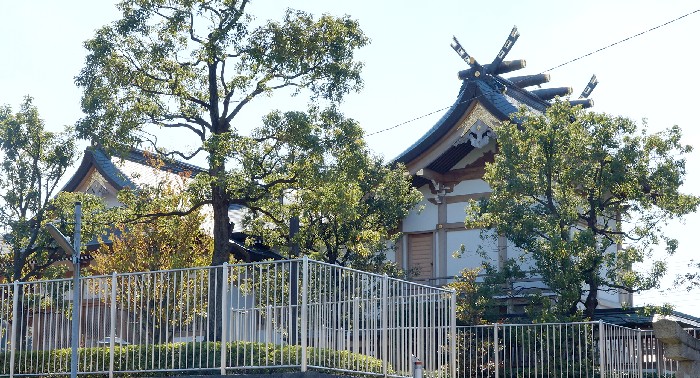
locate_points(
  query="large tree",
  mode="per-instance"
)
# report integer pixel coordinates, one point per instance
(585, 196)
(193, 66)
(347, 208)
(34, 162)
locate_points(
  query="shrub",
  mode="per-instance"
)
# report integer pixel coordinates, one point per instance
(153, 360)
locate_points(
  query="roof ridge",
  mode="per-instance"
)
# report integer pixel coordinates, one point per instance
(170, 164)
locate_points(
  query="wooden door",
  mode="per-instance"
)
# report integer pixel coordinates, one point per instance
(420, 257)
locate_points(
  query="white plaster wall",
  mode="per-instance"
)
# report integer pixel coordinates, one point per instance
(471, 239)
(424, 216)
(609, 299)
(470, 187)
(456, 212)
(390, 251)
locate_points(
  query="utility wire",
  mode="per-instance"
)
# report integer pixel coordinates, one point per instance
(547, 70)
(623, 40)
(411, 120)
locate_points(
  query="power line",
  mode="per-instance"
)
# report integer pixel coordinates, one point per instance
(547, 70)
(410, 120)
(622, 40)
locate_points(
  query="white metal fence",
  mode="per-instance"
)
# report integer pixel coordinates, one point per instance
(295, 314)
(584, 349)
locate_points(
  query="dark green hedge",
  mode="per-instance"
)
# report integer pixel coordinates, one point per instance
(184, 356)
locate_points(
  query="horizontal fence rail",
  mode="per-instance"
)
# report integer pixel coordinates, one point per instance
(293, 314)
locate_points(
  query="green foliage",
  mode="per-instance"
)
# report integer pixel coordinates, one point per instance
(195, 65)
(169, 237)
(585, 195)
(482, 291)
(349, 202)
(34, 162)
(650, 310)
(183, 356)
(690, 279)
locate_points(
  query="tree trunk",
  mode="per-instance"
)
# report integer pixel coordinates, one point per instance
(222, 232)
(591, 299)
(22, 315)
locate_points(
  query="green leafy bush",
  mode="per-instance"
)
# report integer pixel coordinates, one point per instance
(187, 357)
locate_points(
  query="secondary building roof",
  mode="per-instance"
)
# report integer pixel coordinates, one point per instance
(104, 175)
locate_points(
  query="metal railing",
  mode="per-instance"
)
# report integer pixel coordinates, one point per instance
(294, 314)
(583, 349)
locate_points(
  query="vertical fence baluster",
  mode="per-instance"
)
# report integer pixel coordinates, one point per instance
(225, 311)
(453, 334)
(13, 333)
(385, 319)
(304, 310)
(112, 323)
(495, 348)
(640, 353)
(601, 341)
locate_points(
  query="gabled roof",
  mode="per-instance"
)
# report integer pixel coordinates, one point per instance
(483, 87)
(124, 171)
(134, 169)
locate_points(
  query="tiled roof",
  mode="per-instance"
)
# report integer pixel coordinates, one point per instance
(128, 170)
(499, 95)
(133, 169)
(169, 165)
(489, 92)
(636, 317)
(466, 94)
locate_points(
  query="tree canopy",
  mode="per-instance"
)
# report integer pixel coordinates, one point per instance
(193, 66)
(348, 206)
(34, 162)
(585, 196)
(141, 244)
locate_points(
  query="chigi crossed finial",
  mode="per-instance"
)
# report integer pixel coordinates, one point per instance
(500, 66)
(497, 67)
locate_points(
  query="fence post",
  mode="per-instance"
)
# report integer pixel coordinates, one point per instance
(495, 348)
(304, 310)
(225, 311)
(356, 330)
(640, 354)
(453, 333)
(385, 325)
(601, 346)
(13, 332)
(113, 323)
(77, 295)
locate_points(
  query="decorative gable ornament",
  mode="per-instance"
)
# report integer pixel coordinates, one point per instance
(97, 185)
(480, 134)
(488, 95)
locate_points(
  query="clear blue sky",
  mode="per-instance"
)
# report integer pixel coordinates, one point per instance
(410, 69)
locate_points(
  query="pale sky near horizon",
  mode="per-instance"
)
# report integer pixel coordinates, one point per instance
(410, 69)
